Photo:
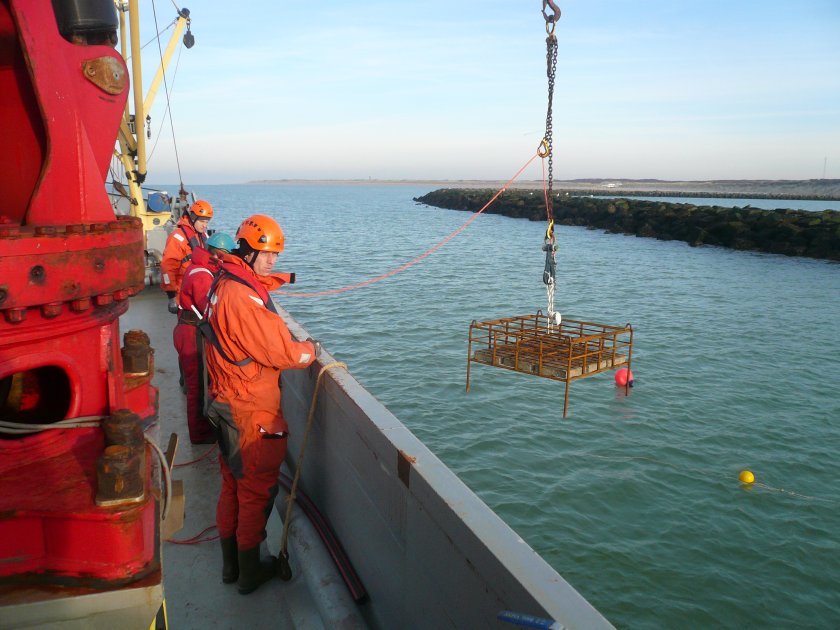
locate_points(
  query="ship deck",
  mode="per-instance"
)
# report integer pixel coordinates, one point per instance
(428, 552)
(193, 588)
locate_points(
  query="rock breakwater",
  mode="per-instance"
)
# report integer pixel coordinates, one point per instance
(782, 231)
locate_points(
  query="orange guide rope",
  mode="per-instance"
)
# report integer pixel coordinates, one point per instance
(421, 256)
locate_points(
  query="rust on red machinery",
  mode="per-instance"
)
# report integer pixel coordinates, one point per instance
(67, 268)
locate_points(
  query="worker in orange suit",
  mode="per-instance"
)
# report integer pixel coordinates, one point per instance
(248, 345)
(192, 303)
(187, 235)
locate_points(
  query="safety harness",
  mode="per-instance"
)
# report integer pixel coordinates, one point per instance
(235, 274)
(194, 241)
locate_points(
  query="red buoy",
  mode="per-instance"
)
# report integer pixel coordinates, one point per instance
(623, 377)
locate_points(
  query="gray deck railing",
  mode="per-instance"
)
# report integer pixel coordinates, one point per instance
(429, 552)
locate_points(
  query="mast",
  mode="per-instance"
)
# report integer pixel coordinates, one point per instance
(131, 148)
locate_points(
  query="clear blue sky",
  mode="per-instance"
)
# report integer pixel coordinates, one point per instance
(456, 89)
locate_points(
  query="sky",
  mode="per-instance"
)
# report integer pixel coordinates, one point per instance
(451, 89)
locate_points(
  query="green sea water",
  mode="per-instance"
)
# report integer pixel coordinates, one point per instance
(634, 499)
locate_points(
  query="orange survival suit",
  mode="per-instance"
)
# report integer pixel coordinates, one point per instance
(177, 254)
(194, 289)
(245, 396)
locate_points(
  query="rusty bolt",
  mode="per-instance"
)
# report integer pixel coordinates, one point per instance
(53, 309)
(103, 299)
(135, 352)
(118, 475)
(136, 338)
(123, 427)
(15, 315)
(80, 305)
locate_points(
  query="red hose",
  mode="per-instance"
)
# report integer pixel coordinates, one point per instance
(330, 540)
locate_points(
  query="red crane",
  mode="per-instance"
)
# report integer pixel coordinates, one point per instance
(79, 516)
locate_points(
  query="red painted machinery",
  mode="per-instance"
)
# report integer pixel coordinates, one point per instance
(79, 516)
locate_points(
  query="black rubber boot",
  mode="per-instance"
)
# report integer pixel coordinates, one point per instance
(253, 571)
(230, 559)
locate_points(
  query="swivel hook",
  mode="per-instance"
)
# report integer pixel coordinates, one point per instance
(549, 232)
(550, 20)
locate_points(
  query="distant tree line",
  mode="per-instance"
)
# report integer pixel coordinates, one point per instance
(782, 231)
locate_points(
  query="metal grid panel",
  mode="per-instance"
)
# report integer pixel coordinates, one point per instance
(532, 345)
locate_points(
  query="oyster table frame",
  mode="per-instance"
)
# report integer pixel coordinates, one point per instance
(531, 344)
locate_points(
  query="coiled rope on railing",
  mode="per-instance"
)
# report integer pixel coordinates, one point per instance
(284, 554)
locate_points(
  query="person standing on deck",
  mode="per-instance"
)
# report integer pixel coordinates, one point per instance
(188, 234)
(251, 346)
(192, 306)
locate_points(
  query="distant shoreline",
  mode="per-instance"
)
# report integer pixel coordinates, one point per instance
(817, 189)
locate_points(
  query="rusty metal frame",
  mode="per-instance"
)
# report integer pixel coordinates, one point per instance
(566, 352)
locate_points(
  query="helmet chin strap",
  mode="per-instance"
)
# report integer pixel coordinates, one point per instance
(246, 253)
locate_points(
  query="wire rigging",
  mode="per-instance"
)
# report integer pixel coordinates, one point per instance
(157, 36)
(168, 103)
(428, 252)
(167, 112)
(545, 150)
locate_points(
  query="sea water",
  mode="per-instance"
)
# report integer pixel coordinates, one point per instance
(634, 499)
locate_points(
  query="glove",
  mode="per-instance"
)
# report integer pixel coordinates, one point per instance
(317, 345)
(173, 305)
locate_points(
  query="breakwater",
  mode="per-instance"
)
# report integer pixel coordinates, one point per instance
(654, 192)
(788, 232)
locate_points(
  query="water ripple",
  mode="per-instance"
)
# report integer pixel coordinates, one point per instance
(633, 498)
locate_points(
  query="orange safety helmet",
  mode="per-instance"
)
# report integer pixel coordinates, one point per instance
(262, 233)
(202, 209)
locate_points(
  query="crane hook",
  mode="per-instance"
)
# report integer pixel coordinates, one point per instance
(550, 20)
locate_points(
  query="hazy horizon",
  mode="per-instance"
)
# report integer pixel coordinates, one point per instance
(443, 91)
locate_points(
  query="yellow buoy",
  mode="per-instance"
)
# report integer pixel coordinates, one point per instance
(746, 476)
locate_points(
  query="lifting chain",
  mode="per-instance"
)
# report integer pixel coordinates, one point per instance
(547, 145)
(546, 150)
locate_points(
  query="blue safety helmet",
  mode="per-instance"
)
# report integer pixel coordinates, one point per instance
(222, 241)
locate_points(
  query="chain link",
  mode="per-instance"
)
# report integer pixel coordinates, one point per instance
(547, 150)
(553, 316)
(551, 69)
